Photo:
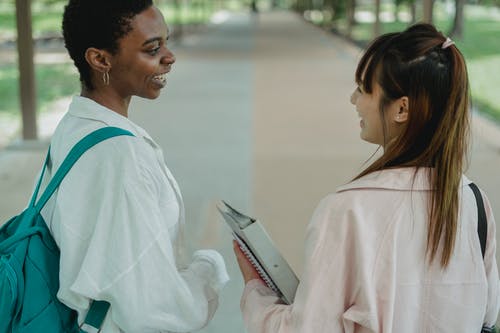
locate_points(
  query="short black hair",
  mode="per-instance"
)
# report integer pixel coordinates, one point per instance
(99, 24)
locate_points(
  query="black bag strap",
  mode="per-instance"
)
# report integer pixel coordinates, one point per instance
(482, 231)
(482, 225)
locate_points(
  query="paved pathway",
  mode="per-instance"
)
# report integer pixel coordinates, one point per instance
(256, 112)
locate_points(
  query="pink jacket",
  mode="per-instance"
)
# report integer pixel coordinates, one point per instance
(366, 269)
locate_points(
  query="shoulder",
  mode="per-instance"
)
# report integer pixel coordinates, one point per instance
(124, 159)
(373, 202)
(339, 213)
(384, 192)
(363, 193)
(397, 179)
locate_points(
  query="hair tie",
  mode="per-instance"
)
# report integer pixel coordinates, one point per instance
(447, 43)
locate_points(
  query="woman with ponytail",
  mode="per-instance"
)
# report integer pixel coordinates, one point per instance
(397, 248)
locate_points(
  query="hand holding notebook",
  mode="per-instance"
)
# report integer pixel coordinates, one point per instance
(258, 247)
(248, 270)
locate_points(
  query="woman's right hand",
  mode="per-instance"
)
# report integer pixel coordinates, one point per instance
(247, 270)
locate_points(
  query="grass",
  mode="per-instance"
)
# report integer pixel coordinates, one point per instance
(479, 46)
(52, 82)
(45, 20)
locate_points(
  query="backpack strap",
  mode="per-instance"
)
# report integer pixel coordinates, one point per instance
(482, 225)
(95, 317)
(37, 188)
(98, 309)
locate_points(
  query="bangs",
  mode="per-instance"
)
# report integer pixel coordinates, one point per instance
(373, 56)
(365, 72)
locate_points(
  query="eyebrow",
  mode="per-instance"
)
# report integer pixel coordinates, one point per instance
(155, 39)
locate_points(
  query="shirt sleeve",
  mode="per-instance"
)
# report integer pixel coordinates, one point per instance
(330, 281)
(117, 246)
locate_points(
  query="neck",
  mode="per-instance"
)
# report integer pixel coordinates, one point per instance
(108, 99)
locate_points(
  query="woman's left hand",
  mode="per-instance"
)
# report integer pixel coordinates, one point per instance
(246, 267)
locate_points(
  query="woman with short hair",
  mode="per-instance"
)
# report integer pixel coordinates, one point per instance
(118, 216)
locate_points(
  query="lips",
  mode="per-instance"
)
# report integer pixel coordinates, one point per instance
(161, 79)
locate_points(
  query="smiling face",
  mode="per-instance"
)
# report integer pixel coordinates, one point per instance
(368, 108)
(142, 62)
(395, 115)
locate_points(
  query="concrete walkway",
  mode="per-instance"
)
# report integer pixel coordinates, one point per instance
(256, 112)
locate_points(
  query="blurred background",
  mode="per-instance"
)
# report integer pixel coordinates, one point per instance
(474, 25)
(256, 110)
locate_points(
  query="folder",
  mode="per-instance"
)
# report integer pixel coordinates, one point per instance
(261, 252)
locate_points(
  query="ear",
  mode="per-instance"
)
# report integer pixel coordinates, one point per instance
(401, 115)
(98, 60)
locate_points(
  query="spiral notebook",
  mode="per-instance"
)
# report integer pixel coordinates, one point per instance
(261, 252)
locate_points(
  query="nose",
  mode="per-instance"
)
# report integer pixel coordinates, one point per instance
(168, 58)
(354, 96)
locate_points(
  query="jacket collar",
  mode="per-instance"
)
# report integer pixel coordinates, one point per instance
(83, 107)
(402, 179)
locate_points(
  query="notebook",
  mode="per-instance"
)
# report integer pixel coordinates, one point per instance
(261, 252)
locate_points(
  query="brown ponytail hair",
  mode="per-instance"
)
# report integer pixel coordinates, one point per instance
(413, 63)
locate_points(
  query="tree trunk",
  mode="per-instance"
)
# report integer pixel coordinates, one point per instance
(457, 29)
(413, 11)
(377, 30)
(428, 7)
(351, 11)
(27, 91)
(178, 19)
(396, 10)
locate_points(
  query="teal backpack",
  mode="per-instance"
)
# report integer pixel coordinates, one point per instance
(29, 262)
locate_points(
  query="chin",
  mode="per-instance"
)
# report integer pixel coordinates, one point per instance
(369, 140)
(151, 95)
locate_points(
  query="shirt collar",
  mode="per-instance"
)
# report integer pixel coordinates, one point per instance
(402, 179)
(83, 107)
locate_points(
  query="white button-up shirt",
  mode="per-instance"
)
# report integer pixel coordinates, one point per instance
(117, 218)
(366, 268)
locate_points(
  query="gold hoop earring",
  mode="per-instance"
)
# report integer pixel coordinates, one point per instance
(105, 78)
